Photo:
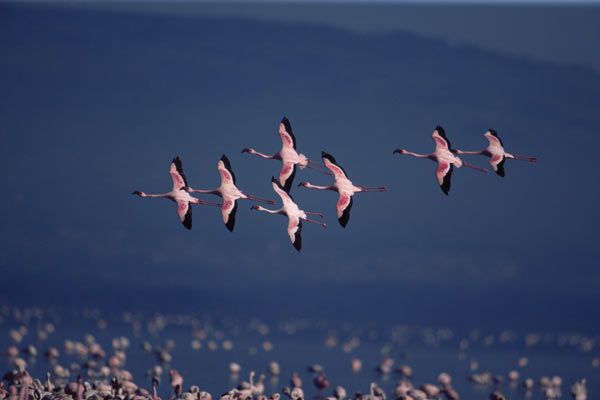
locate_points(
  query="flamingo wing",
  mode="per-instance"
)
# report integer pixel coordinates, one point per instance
(337, 171)
(343, 206)
(184, 211)
(443, 173)
(441, 140)
(225, 170)
(286, 175)
(286, 198)
(493, 138)
(497, 163)
(177, 175)
(294, 231)
(228, 211)
(288, 140)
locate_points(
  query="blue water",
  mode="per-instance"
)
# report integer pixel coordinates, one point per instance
(428, 351)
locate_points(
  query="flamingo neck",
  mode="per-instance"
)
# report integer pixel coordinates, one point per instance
(410, 153)
(169, 195)
(320, 187)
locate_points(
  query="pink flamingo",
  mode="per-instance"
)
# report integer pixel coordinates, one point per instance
(345, 188)
(179, 194)
(444, 157)
(495, 151)
(288, 155)
(295, 215)
(229, 192)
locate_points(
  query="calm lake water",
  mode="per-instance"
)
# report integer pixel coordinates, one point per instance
(298, 344)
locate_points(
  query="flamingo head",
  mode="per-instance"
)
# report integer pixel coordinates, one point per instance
(399, 151)
(303, 184)
(247, 150)
(138, 193)
(255, 207)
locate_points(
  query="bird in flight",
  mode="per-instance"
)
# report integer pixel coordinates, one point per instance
(179, 194)
(496, 153)
(345, 188)
(288, 155)
(293, 212)
(444, 157)
(229, 192)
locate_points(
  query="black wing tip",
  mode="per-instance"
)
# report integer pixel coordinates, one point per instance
(440, 130)
(345, 218)
(187, 222)
(447, 182)
(500, 168)
(298, 244)
(327, 156)
(230, 224)
(289, 181)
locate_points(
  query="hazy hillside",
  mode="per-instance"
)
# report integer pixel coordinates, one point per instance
(94, 105)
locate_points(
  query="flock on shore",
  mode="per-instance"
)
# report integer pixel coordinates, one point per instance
(86, 370)
(446, 158)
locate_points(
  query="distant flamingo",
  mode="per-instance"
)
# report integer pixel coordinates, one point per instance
(179, 194)
(288, 155)
(345, 188)
(445, 158)
(229, 192)
(295, 215)
(495, 151)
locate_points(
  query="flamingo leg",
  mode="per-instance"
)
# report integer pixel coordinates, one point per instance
(208, 203)
(525, 158)
(314, 213)
(313, 167)
(466, 164)
(373, 189)
(260, 200)
(312, 221)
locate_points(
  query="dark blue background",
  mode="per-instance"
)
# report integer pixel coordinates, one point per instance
(94, 104)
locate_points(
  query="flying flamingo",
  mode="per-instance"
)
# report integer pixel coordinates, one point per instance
(495, 151)
(444, 157)
(229, 192)
(288, 155)
(295, 215)
(345, 188)
(179, 194)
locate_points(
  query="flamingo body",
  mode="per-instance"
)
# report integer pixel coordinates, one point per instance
(496, 153)
(288, 154)
(229, 192)
(444, 156)
(343, 186)
(178, 194)
(293, 212)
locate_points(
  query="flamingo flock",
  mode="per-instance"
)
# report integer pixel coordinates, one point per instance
(444, 155)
